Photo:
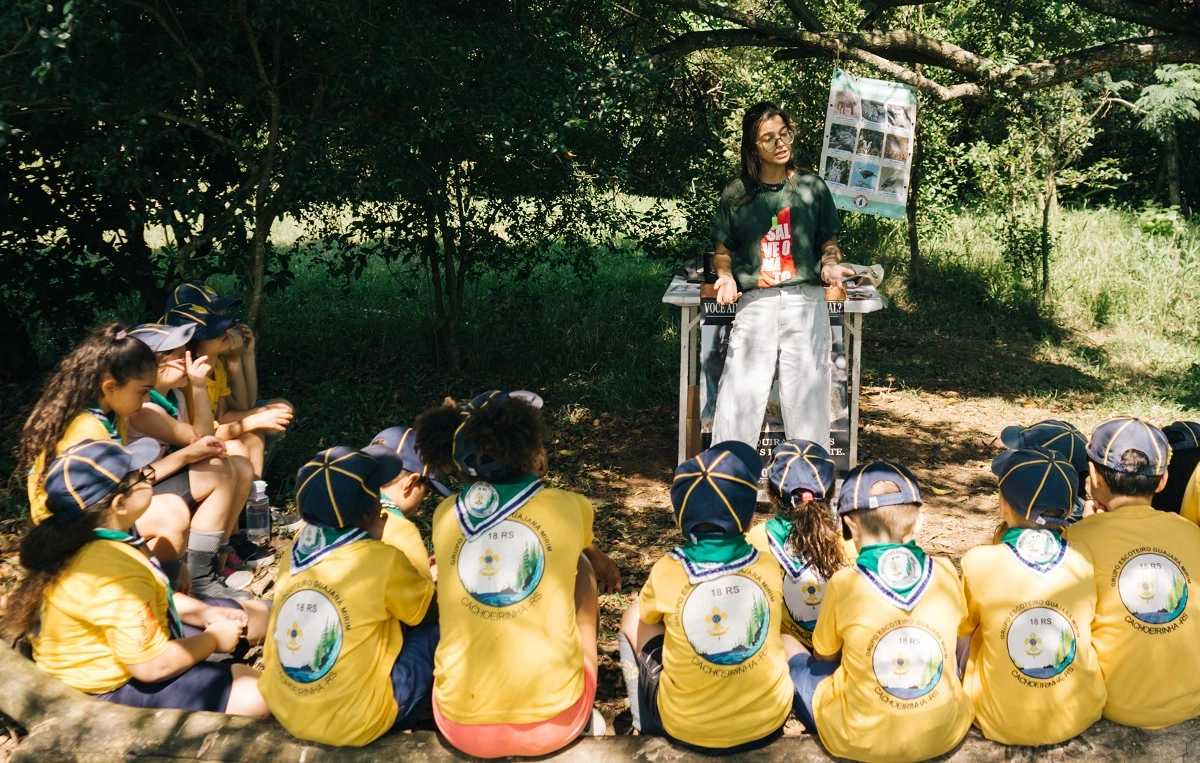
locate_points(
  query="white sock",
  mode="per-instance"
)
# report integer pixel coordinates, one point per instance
(629, 671)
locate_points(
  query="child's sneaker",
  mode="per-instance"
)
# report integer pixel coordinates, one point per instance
(287, 521)
(247, 555)
(596, 726)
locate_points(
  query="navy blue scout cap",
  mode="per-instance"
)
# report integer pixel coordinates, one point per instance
(855, 494)
(464, 451)
(1039, 483)
(1183, 435)
(341, 485)
(801, 465)
(209, 325)
(1060, 436)
(402, 442)
(163, 338)
(198, 293)
(1115, 436)
(90, 471)
(718, 487)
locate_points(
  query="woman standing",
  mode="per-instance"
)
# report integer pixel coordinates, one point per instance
(774, 247)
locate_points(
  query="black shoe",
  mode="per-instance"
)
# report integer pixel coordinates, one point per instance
(207, 581)
(250, 555)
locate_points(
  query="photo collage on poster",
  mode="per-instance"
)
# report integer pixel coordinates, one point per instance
(867, 153)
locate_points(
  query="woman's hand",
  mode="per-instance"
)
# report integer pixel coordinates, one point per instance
(198, 369)
(271, 418)
(226, 632)
(209, 446)
(727, 290)
(213, 614)
(833, 273)
(248, 340)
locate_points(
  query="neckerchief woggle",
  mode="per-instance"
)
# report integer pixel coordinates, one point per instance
(709, 556)
(175, 626)
(109, 420)
(778, 531)
(900, 573)
(1041, 551)
(482, 505)
(316, 542)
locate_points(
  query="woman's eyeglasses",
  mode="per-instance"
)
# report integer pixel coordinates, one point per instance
(785, 136)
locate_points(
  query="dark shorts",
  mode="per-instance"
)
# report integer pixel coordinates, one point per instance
(649, 672)
(412, 673)
(178, 484)
(204, 686)
(806, 674)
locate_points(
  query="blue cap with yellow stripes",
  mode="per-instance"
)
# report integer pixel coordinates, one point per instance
(801, 465)
(1183, 435)
(402, 442)
(719, 487)
(339, 486)
(209, 325)
(90, 471)
(1114, 437)
(1038, 483)
(1060, 436)
(199, 293)
(855, 494)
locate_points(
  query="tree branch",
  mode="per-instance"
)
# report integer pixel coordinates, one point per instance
(883, 6)
(199, 127)
(1160, 49)
(690, 42)
(16, 47)
(162, 22)
(1145, 14)
(807, 18)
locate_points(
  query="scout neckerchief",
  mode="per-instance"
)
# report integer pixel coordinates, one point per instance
(899, 572)
(162, 402)
(175, 626)
(316, 542)
(482, 505)
(778, 531)
(708, 556)
(109, 420)
(391, 506)
(1041, 551)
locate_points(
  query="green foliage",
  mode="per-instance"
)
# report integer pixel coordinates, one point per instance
(1170, 100)
(1156, 220)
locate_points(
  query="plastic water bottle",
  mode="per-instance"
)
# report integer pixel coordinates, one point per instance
(258, 514)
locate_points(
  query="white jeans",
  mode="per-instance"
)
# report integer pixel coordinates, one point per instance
(788, 325)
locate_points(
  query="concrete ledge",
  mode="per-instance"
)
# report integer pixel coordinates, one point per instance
(65, 725)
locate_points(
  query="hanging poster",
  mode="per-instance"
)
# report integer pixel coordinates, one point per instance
(866, 156)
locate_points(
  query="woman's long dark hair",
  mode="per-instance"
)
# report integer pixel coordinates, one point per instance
(46, 550)
(76, 382)
(746, 187)
(814, 533)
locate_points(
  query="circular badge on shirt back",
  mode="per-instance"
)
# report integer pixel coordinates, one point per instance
(308, 635)
(1153, 588)
(803, 596)
(899, 568)
(908, 662)
(726, 619)
(1041, 642)
(1038, 546)
(502, 566)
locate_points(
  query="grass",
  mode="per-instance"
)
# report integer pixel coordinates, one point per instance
(1122, 333)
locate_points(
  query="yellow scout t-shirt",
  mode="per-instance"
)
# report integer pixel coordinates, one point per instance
(87, 425)
(334, 634)
(896, 695)
(725, 678)
(1189, 508)
(108, 609)
(401, 533)
(217, 385)
(1145, 632)
(803, 586)
(510, 651)
(1032, 673)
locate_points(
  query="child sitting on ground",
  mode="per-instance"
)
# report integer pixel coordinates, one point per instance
(1181, 495)
(802, 536)
(404, 495)
(215, 488)
(1032, 673)
(1063, 438)
(102, 381)
(516, 664)
(98, 609)
(1146, 629)
(340, 667)
(892, 621)
(712, 670)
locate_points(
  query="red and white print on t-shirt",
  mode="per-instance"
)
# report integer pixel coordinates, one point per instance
(776, 249)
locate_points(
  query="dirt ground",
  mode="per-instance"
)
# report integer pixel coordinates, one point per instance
(624, 464)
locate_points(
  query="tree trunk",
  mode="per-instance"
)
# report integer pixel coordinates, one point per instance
(914, 187)
(1170, 145)
(1049, 201)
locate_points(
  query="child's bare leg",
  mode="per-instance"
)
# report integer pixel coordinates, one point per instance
(213, 484)
(635, 631)
(244, 697)
(250, 447)
(587, 610)
(792, 646)
(257, 613)
(243, 475)
(165, 526)
(632, 636)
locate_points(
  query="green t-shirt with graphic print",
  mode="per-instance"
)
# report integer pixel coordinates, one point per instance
(775, 236)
